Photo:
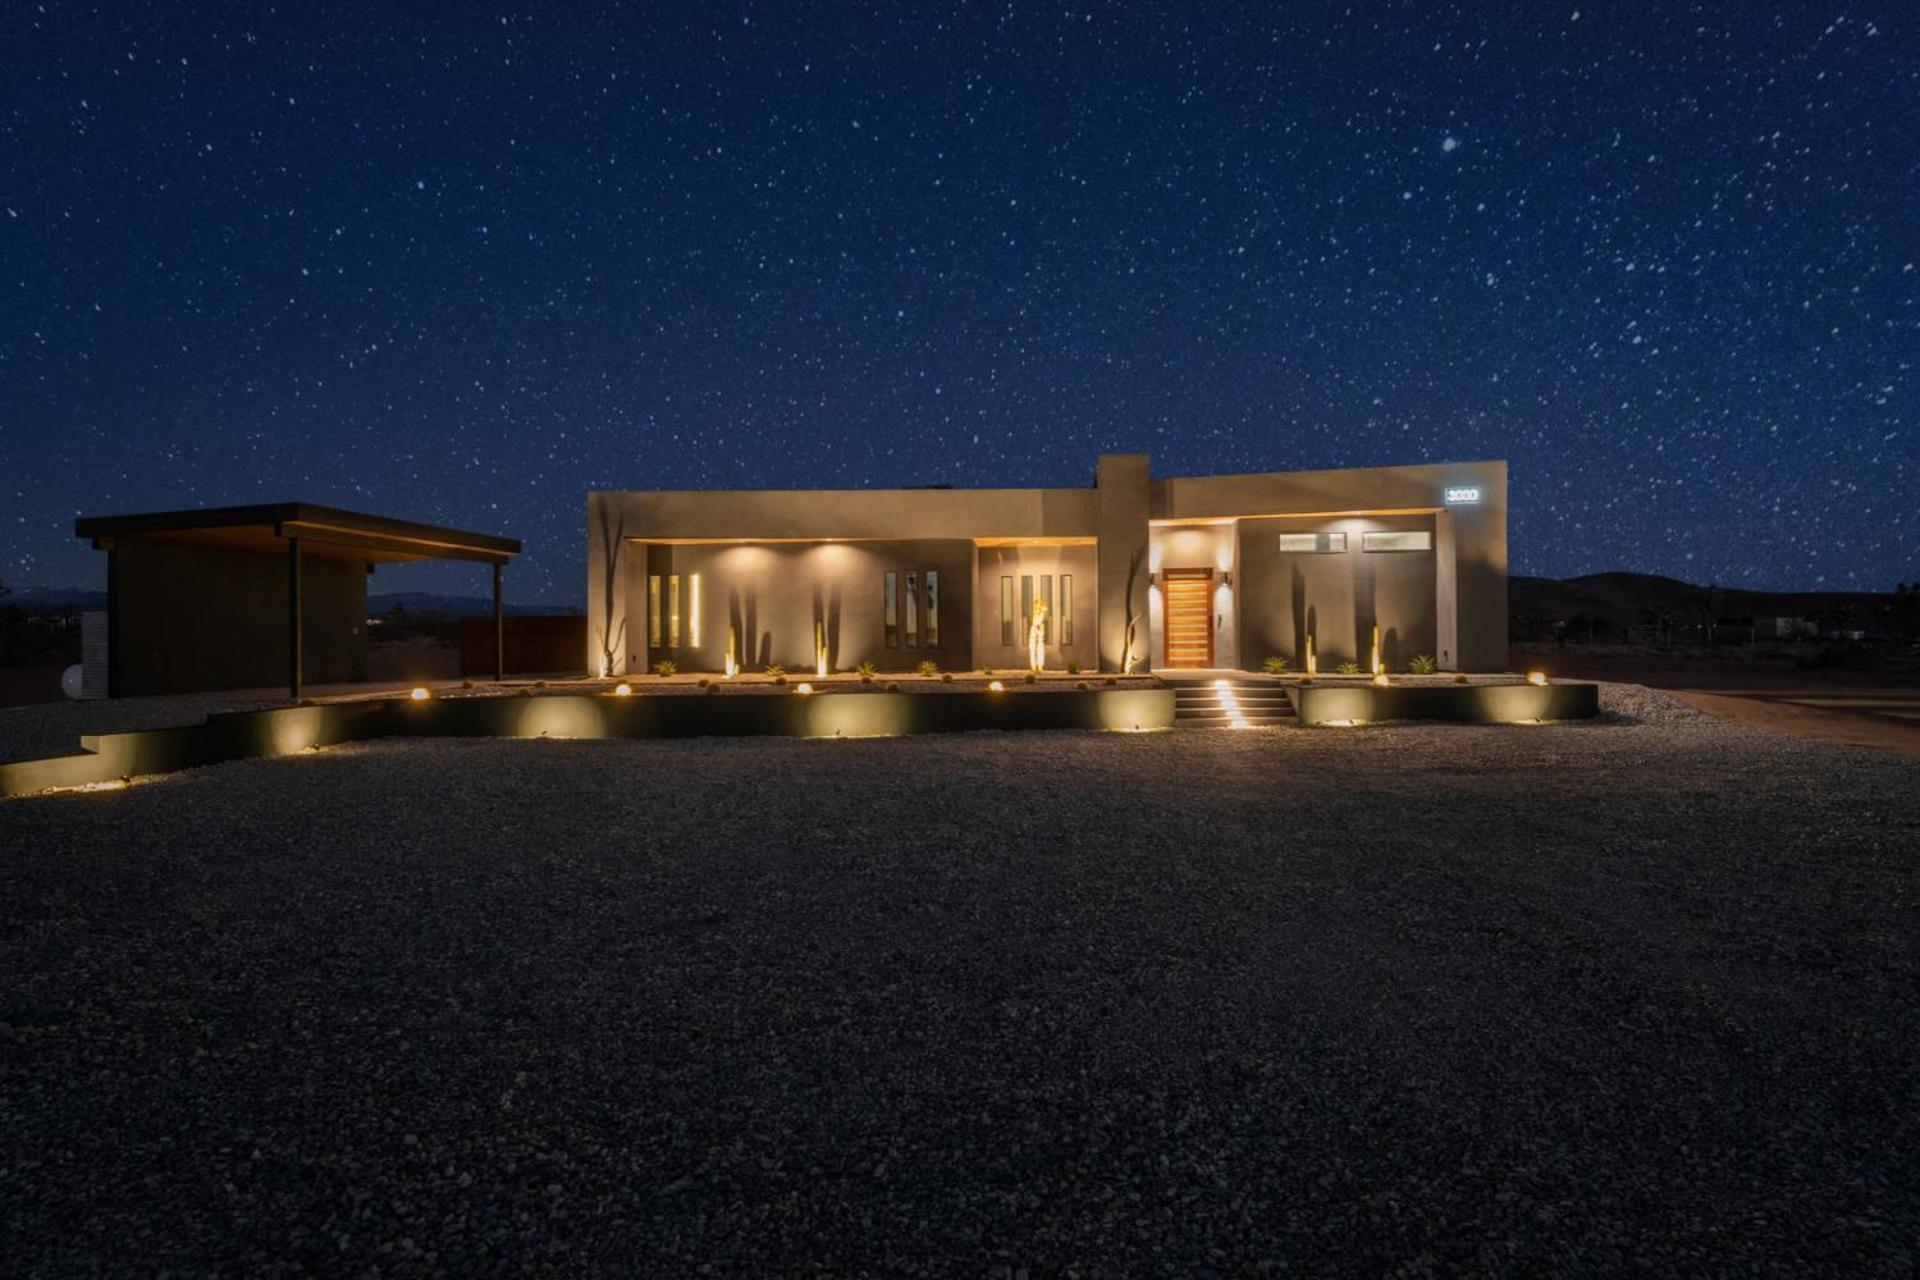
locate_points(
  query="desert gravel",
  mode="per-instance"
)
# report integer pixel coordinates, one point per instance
(1627, 997)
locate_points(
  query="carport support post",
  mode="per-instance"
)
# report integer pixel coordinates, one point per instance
(294, 654)
(499, 631)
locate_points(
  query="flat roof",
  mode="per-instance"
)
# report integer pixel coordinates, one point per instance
(326, 531)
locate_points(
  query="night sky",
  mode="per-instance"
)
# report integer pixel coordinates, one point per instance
(461, 263)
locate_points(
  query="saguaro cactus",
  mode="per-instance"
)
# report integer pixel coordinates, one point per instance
(733, 651)
(1313, 663)
(1037, 637)
(820, 650)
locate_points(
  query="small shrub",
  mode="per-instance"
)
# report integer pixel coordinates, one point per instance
(1081, 685)
(893, 686)
(775, 670)
(466, 684)
(1073, 668)
(946, 677)
(1275, 665)
(704, 682)
(666, 667)
(1032, 678)
(866, 671)
(713, 688)
(1348, 669)
(539, 684)
(986, 671)
(1113, 680)
(1424, 665)
(1460, 677)
(928, 667)
(781, 679)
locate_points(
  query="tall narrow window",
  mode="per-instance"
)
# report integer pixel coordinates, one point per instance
(1046, 599)
(933, 608)
(1066, 608)
(693, 610)
(1006, 611)
(891, 607)
(673, 611)
(913, 611)
(1026, 606)
(653, 610)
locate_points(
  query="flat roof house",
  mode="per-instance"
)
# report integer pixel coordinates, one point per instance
(1135, 573)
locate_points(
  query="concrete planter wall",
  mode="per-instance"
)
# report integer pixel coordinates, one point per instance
(1471, 703)
(257, 734)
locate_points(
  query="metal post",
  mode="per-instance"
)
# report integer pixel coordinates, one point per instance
(294, 639)
(499, 632)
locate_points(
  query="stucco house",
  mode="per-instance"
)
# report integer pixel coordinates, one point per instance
(1136, 572)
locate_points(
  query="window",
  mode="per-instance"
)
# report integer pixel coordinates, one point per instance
(1313, 542)
(1046, 599)
(1026, 608)
(892, 608)
(1006, 611)
(913, 611)
(693, 610)
(653, 610)
(1397, 540)
(1066, 608)
(673, 611)
(933, 608)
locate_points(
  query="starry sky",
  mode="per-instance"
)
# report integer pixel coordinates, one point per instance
(463, 262)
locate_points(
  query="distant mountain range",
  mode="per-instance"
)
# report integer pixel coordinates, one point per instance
(1624, 599)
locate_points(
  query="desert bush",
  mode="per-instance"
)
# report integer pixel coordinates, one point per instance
(928, 667)
(1424, 665)
(1113, 680)
(775, 670)
(866, 671)
(1032, 678)
(666, 667)
(713, 688)
(1073, 668)
(893, 686)
(1081, 685)
(946, 677)
(1274, 665)
(704, 682)
(1348, 669)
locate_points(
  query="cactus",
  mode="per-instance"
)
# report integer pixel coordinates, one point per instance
(820, 650)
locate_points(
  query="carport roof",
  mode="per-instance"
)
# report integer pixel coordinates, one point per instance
(325, 531)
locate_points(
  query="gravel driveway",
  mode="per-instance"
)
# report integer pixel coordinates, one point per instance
(1616, 997)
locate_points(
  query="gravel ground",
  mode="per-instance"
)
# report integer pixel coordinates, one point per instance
(1633, 996)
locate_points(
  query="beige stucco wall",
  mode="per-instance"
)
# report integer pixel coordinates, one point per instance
(1338, 597)
(772, 594)
(1076, 562)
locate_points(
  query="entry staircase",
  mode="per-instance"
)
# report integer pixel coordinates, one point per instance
(1226, 703)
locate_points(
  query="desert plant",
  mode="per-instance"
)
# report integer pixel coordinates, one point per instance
(1460, 678)
(780, 679)
(866, 671)
(946, 677)
(893, 686)
(1037, 637)
(614, 539)
(1032, 678)
(704, 682)
(775, 670)
(1113, 680)
(1073, 668)
(713, 688)
(733, 652)
(986, 671)
(928, 667)
(466, 684)
(1348, 668)
(666, 667)
(820, 650)
(1424, 665)
(1081, 685)
(1274, 665)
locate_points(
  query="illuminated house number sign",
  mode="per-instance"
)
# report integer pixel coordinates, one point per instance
(1463, 495)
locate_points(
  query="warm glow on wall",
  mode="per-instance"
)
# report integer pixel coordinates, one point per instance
(693, 610)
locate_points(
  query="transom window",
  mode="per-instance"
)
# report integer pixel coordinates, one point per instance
(1313, 542)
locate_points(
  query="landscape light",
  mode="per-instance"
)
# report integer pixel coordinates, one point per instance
(997, 687)
(803, 687)
(623, 690)
(1536, 677)
(419, 693)
(1380, 678)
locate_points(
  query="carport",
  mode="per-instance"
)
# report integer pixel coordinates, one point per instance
(236, 597)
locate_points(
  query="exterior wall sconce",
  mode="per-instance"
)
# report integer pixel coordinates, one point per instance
(1153, 577)
(1226, 577)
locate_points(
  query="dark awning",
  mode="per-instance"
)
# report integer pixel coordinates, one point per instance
(323, 531)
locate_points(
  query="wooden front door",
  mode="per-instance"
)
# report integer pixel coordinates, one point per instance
(1188, 596)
